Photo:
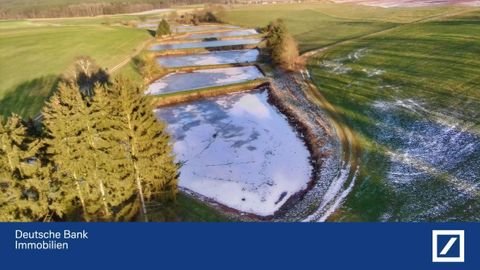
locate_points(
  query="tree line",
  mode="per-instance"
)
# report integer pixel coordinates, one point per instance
(98, 155)
(106, 7)
(211, 13)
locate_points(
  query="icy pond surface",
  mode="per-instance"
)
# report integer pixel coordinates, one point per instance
(203, 44)
(213, 58)
(198, 28)
(183, 81)
(239, 151)
(233, 33)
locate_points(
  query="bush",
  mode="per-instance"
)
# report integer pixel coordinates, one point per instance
(146, 66)
(281, 45)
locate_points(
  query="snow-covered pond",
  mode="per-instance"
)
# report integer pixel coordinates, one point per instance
(198, 28)
(238, 150)
(213, 58)
(234, 33)
(203, 44)
(183, 81)
(148, 25)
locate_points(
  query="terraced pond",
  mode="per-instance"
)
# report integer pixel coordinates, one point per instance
(184, 81)
(213, 58)
(234, 33)
(198, 28)
(239, 150)
(203, 44)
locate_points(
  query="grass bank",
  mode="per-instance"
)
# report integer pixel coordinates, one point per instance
(191, 95)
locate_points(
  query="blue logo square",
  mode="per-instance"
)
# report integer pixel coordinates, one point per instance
(452, 250)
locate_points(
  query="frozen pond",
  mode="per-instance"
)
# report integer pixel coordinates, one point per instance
(198, 28)
(234, 33)
(203, 44)
(183, 81)
(239, 151)
(213, 58)
(151, 26)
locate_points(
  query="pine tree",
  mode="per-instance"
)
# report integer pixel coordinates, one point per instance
(23, 183)
(108, 152)
(65, 118)
(163, 28)
(149, 152)
(85, 147)
(119, 189)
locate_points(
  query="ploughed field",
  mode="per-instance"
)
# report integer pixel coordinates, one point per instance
(410, 93)
(237, 150)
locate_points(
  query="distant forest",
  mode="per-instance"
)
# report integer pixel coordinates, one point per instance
(18, 9)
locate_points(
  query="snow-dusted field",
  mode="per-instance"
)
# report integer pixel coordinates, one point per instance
(234, 33)
(410, 3)
(213, 58)
(183, 81)
(435, 159)
(204, 44)
(239, 151)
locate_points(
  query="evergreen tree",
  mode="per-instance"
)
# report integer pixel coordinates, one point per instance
(113, 171)
(23, 185)
(64, 121)
(149, 152)
(163, 28)
(88, 157)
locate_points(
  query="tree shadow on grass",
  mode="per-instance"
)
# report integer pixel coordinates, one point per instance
(152, 33)
(27, 98)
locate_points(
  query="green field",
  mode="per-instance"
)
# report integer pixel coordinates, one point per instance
(34, 53)
(407, 81)
(187, 209)
(431, 71)
(317, 25)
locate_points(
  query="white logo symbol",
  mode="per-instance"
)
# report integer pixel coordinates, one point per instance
(455, 246)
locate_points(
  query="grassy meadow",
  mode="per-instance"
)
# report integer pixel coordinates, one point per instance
(321, 24)
(410, 93)
(34, 53)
